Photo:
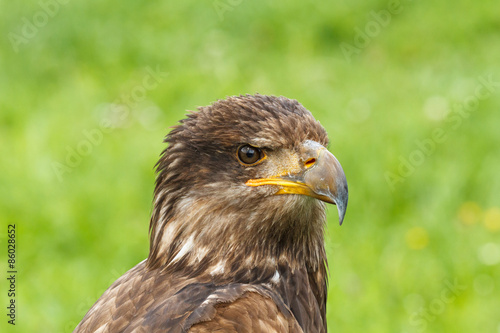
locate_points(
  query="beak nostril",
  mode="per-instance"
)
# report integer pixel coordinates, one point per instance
(310, 162)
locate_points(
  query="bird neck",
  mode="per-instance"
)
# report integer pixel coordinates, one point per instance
(237, 243)
(200, 240)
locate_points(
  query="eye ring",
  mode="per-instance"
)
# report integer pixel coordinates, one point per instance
(249, 155)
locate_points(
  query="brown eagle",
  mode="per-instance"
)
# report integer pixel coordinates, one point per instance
(236, 233)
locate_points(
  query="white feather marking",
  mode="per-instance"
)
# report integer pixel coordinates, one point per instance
(276, 277)
(218, 269)
(249, 260)
(209, 299)
(102, 329)
(184, 204)
(186, 247)
(167, 237)
(201, 253)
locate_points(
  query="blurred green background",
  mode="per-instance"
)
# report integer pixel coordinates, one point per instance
(409, 93)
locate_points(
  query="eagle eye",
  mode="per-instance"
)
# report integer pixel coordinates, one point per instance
(249, 155)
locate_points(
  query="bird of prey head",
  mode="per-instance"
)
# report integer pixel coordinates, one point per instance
(239, 213)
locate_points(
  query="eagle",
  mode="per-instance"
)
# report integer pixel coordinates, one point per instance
(237, 226)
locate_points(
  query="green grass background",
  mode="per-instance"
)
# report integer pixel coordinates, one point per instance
(398, 247)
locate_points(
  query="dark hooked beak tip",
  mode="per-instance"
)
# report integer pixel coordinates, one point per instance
(340, 195)
(341, 203)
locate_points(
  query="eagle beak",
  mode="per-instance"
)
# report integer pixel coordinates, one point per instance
(322, 177)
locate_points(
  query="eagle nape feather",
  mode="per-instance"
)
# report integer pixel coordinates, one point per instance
(237, 228)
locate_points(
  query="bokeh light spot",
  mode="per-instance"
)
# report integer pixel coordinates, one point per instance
(469, 213)
(436, 108)
(489, 254)
(492, 219)
(417, 238)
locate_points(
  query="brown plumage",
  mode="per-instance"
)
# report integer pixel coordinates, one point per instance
(236, 234)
